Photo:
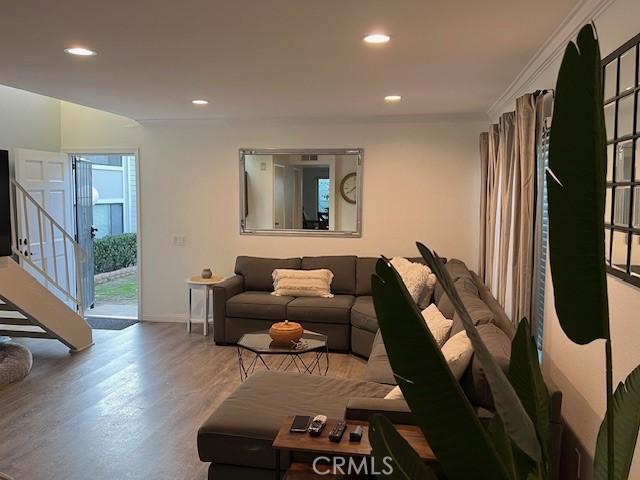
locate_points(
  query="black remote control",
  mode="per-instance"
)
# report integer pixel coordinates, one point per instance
(356, 435)
(337, 431)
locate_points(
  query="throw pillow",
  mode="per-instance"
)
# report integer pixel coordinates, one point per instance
(417, 278)
(437, 323)
(458, 351)
(395, 394)
(302, 283)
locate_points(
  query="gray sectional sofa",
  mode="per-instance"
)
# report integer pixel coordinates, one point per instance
(236, 438)
(243, 303)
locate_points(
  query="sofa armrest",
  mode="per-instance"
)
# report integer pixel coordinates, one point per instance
(222, 292)
(361, 408)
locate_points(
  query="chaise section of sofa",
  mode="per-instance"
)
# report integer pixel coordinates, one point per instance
(236, 439)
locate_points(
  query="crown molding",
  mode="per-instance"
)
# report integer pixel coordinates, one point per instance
(583, 12)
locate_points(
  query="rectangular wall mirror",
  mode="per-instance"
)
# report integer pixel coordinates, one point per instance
(301, 192)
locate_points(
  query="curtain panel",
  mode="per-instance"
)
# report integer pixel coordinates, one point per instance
(507, 207)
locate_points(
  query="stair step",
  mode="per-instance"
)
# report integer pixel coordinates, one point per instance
(14, 321)
(25, 333)
(11, 314)
(6, 307)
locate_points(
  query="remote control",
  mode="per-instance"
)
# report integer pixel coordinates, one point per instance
(337, 431)
(356, 435)
(317, 425)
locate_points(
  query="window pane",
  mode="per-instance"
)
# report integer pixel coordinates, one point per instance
(636, 207)
(624, 156)
(102, 220)
(117, 224)
(637, 177)
(628, 70)
(323, 194)
(607, 246)
(610, 160)
(635, 255)
(625, 116)
(610, 80)
(621, 208)
(607, 205)
(609, 120)
(619, 253)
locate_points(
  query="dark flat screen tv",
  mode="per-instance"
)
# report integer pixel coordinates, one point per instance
(5, 208)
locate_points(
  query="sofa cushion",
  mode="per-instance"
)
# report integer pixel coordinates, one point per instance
(474, 382)
(378, 367)
(257, 271)
(363, 314)
(320, 310)
(365, 268)
(261, 305)
(501, 320)
(241, 430)
(464, 286)
(343, 268)
(457, 269)
(479, 312)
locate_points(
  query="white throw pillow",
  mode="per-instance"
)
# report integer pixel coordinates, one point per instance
(457, 352)
(395, 394)
(302, 283)
(418, 279)
(437, 323)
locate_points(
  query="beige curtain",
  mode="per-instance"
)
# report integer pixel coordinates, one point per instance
(506, 165)
(523, 207)
(489, 153)
(507, 155)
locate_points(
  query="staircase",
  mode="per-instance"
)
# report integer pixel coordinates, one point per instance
(38, 295)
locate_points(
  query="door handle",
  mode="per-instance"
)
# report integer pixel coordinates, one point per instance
(93, 231)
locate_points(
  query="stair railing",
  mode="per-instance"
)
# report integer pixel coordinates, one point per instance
(54, 242)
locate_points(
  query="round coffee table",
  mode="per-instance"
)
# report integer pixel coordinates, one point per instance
(306, 355)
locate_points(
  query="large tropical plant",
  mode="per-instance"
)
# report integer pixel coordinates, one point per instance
(515, 444)
(576, 188)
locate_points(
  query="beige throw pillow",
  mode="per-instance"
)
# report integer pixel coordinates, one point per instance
(302, 283)
(437, 323)
(457, 351)
(418, 279)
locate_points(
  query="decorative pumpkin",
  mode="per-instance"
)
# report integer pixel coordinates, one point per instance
(286, 332)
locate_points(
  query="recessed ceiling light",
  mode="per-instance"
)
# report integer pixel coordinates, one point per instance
(199, 102)
(79, 51)
(377, 38)
(392, 98)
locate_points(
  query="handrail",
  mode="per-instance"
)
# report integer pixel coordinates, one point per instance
(21, 246)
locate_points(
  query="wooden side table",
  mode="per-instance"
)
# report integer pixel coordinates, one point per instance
(206, 285)
(322, 446)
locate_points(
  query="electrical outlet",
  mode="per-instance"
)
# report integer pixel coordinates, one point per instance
(578, 463)
(179, 240)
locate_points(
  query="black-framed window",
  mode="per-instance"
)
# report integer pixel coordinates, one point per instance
(621, 89)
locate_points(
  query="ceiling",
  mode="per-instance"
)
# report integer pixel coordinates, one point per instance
(273, 58)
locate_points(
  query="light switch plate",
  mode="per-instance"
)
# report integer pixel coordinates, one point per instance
(179, 240)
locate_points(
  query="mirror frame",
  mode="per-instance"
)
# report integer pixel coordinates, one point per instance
(302, 151)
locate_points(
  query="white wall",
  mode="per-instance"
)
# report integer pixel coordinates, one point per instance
(421, 182)
(28, 121)
(579, 370)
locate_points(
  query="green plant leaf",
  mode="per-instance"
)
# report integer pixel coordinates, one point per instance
(449, 423)
(502, 444)
(576, 189)
(526, 378)
(626, 410)
(517, 423)
(392, 451)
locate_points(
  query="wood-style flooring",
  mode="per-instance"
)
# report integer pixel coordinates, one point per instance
(127, 408)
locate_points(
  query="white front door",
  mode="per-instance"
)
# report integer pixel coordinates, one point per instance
(46, 176)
